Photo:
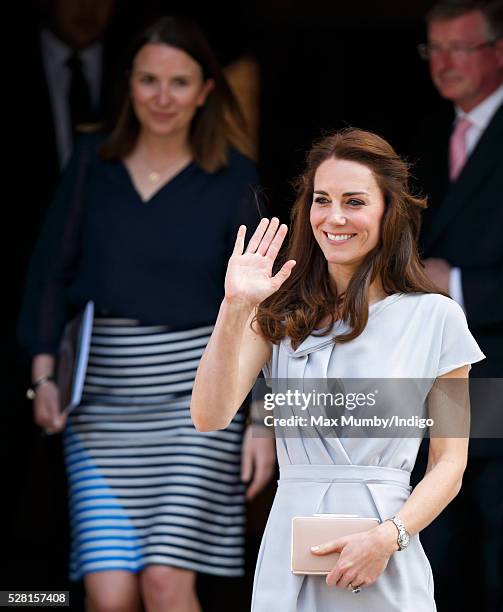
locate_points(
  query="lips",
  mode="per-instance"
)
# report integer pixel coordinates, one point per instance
(339, 238)
(448, 77)
(162, 116)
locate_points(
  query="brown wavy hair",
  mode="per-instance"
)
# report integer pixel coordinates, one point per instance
(308, 296)
(216, 125)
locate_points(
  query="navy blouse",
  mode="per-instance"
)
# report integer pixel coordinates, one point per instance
(160, 262)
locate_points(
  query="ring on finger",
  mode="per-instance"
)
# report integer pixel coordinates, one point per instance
(354, 589)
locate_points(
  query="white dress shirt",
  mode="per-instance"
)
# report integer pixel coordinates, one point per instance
(55, 55)
(479, 117)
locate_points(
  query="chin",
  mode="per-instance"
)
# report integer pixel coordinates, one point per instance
(342, 262)
(340, 259)
(450, 92)
(160, 130)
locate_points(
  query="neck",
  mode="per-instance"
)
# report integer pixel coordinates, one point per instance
(161, 150)
(376, 292)
(342, 276)
(468, 105)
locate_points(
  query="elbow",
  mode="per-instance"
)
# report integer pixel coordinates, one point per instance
(199, 422)
(459, 482)
(457, 487)
(204, 424)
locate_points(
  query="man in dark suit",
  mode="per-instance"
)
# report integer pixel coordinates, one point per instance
(69, 64)
(461, 169)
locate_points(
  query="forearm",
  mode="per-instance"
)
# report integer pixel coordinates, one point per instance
(42, 365)
(216, 393)
(433, 493)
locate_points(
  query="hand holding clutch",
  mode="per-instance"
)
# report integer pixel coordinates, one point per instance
(308, 531)
(360, 557)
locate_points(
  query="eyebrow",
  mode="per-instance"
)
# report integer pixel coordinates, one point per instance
(347, 193)
(185, 75)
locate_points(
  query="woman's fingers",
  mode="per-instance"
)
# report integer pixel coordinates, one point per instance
(266, 240)
(334, 576)
(268, 236)
(342, 572)
(275, 244)
(41, 417)
(48, 410)
(261, 476)
(257, 236)
(280, 277)
(59, 420)
(239, 245)
(348, 577)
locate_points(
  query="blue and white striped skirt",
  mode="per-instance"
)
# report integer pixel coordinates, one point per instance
(144, 486)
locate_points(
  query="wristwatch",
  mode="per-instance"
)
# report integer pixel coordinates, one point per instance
(403, 538)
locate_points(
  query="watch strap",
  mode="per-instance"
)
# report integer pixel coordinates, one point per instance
(402, 532)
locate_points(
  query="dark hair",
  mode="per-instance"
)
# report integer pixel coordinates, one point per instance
(215, 125)
(308, 296)
(492, 10)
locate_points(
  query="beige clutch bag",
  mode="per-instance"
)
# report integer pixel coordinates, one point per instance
(309, 531)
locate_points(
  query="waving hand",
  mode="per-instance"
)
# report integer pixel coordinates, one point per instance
(249, 275)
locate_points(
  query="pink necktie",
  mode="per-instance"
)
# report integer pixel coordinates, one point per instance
(457, 147)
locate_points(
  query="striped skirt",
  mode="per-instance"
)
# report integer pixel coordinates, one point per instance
(144, 486)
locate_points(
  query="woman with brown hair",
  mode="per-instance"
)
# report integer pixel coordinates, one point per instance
(143, 224)
(351, 301)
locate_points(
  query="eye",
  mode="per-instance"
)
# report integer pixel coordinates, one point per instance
(321, 200)
(147, 79)
(355, 203)
(180, 81)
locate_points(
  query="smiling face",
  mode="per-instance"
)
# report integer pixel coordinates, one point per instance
(167, 88)
(467, 78)
(346, 214)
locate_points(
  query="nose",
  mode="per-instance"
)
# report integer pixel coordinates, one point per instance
(441, 59)
(336, 216)
(164, 95)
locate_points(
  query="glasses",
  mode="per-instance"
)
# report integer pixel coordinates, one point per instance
(456, 50)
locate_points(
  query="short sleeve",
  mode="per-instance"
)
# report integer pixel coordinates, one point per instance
(458, 346)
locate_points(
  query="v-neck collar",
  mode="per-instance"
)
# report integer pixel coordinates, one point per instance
(316, 343)
(186, 170)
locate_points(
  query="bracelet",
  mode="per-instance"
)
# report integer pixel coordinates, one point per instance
(30, 392)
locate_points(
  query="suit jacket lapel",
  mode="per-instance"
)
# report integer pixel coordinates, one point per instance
(479, 165)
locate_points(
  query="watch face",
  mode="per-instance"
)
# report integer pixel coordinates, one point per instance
(404, 539)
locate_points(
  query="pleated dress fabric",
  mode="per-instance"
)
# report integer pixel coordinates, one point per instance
(144, 486)
(413, 336)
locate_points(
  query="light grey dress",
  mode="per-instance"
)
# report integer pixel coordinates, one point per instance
(407, 336)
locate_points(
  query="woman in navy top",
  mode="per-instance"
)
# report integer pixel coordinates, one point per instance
(143, 224)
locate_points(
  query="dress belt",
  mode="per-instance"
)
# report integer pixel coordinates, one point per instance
(334, 474)
(324, 472)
